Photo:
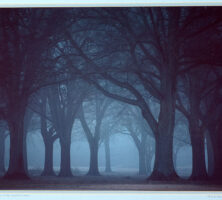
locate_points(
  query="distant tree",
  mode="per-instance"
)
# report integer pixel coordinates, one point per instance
(212, 121)
(64, 101)
(100, 105)
(42, 121)
(111, 125)
(48, 133)
(137, 128)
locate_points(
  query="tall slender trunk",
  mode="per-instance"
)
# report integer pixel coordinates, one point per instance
(199, 167)
(93, 167)
(48, 165)
(107, 153)
(196, 133)
(93, 139)
(48, 139)
(65, 167)
(17, 169)
(210, 155)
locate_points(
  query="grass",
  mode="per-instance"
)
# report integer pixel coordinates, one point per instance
(128, 180)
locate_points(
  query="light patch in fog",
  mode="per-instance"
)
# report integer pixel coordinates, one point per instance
(7, 152)
(56, 156)
(184, 161)
(80, 157)
(35, 151)
(123, 155)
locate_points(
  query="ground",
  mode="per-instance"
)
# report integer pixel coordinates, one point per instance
(112, 182)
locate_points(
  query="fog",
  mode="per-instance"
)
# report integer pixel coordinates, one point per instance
(124, 155)
(111, 92)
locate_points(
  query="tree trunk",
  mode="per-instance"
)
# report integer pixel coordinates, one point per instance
(199, 167)
(17, 169)
(163, 166)
(93, 168)
(2, 153)
(217, 173)
(210, 155)
(107, 152)
(196, 133)
(48, 165)
(65, 167)
(216, 139)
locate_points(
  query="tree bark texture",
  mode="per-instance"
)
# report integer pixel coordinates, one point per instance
(210, 155)
(17, 168)
(163, 165)
(65, 167)
(2, 152)
(216, 138)
(48, 164)
(93, 167)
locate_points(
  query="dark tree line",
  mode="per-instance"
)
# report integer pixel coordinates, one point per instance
(64, 58)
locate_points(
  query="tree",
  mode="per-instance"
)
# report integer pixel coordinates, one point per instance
(149, 65)
(197, 82)
(101, 104)
(38, 104)
(48, 134)
(25, 36)
(133, 122)
(64, 101)
(111, 125)
(212, 122)
(152, 58)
